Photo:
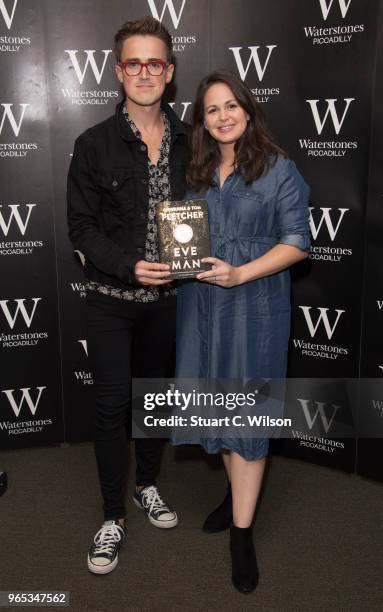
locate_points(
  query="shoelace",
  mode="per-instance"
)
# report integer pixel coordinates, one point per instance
(152, 499)
(106, 537)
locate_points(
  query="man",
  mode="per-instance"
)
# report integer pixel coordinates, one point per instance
(120, 169)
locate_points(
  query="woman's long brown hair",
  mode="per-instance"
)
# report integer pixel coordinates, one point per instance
(253, 151)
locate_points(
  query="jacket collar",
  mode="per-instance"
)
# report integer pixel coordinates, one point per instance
(176, 125)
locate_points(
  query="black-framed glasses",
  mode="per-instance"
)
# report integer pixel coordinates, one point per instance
(155, 67)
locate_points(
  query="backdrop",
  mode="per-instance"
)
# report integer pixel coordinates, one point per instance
(314, 66)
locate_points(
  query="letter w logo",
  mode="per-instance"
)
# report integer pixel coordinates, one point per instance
(331, 110)
(254, 57)
(25, 395)
(322, 317)
(319, 411)
(8, 18)
(326, 7)
(19, 308)
(7, 112)
(84, 345)
(5, 226)
(168, 4)
(185, 106)
(326, 218)
(89, 60)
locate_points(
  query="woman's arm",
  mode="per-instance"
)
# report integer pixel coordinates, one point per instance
(281, 256)
(292, 225)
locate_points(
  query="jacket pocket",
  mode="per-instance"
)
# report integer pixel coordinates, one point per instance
(119, 190)
(250, 212)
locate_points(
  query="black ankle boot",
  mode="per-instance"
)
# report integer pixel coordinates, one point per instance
(244, 563)
(221, 518)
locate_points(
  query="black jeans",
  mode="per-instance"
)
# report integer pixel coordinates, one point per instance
(125, 340)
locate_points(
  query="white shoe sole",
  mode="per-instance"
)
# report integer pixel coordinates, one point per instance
(101, 569)
(160, 524)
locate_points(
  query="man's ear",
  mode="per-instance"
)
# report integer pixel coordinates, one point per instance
(169, 73)
(119, 73)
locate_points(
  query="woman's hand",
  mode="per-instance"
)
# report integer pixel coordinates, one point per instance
(222, 273)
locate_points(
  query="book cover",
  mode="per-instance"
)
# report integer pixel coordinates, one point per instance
(183, 236)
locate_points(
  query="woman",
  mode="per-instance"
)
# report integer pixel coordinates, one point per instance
(234, 321)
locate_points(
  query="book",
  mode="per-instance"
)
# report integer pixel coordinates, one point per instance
(183, 236)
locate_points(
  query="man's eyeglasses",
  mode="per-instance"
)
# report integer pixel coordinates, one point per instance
(133, 67)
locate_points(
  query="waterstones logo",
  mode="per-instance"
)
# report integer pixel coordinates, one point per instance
(321, 416)
(80, 289)
(378, 406)
(181, 108)
(318, 443)
(14, 220)
(325, 416)
(10, 44)
(325, 224)
(322, 318)
(331, 111)
(24, 397)
(325, 323)
(8, 15)
(175, 13)
(168, 4)
(326, 6)
(259, 60)
(8, 118)
(24, 400)
(10, 125)
(93, 69)
(339, 33)
(84, 345)
(22, 312)
(331, 115)
(82, 376)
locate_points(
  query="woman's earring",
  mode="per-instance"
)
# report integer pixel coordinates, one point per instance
(247, 117)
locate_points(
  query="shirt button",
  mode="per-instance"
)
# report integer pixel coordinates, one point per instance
(143, 147)
(115, 183)
(144, 181)
(140, 250)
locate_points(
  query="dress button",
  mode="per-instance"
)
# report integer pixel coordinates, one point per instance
(115, 183)
(143, 147)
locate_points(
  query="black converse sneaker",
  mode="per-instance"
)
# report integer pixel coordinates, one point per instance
(157, 510)
(103, 554)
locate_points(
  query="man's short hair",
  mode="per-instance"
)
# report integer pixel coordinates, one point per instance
(146, 26)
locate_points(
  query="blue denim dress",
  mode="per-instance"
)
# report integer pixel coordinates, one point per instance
(243, 331)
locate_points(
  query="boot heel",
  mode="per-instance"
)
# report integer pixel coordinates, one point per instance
(245, 573)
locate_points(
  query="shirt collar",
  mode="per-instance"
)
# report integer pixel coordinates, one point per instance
(176, 125)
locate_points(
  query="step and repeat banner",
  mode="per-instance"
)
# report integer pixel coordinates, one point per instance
(314, 68)
(370, 451)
